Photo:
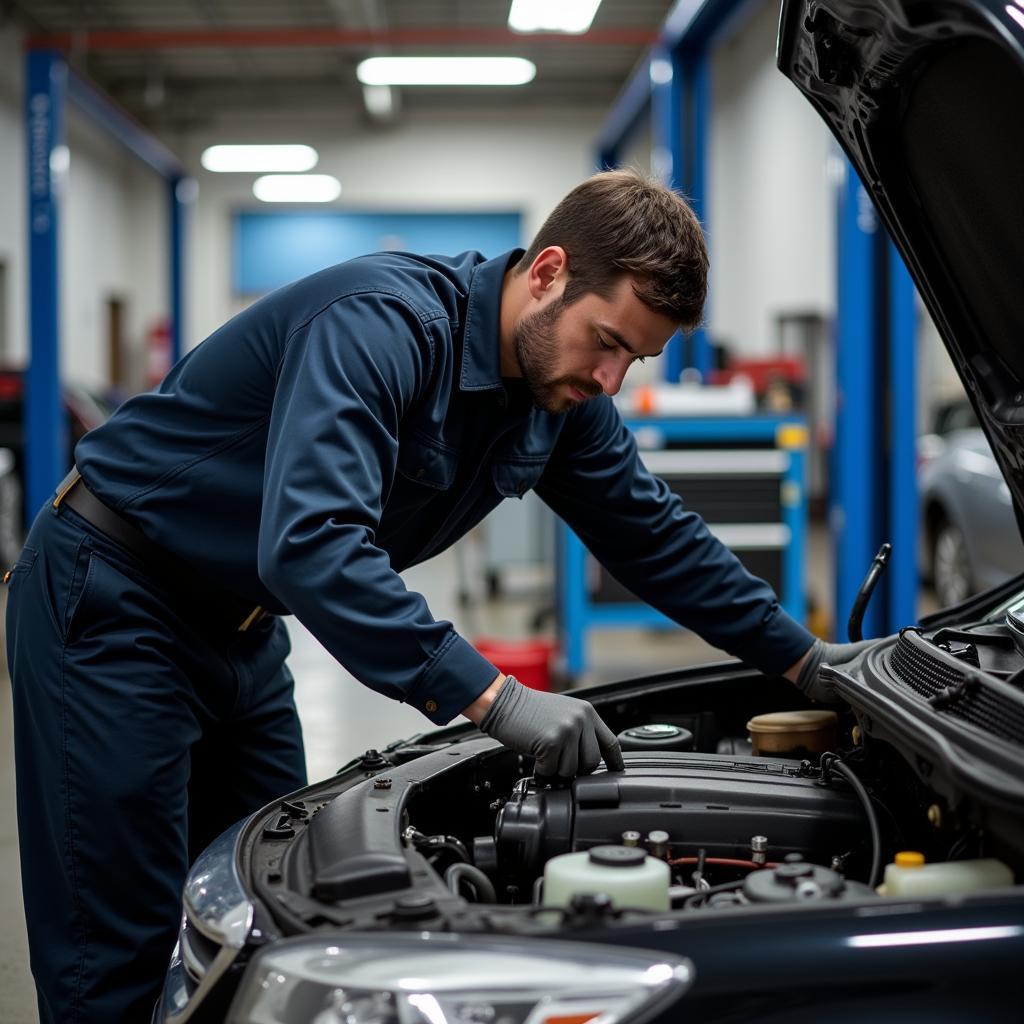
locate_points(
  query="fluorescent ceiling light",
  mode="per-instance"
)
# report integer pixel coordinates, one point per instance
(445, 71)
(259, 158)
(552, 15)
(296, 188)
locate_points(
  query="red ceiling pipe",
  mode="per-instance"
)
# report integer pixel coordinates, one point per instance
(174, 39)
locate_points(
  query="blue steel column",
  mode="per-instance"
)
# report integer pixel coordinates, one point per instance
(176, 188)
(573, 556)
(666, 74)
(46, 80)
(792, 438)
(904, 516)
(854, 475)
(695, 149)
(667, 158)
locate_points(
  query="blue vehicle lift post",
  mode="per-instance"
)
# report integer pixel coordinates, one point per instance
(873, 483)
(49, 84)
(46, 78)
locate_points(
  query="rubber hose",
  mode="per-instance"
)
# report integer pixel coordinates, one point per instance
(869, 810)
(477, 879)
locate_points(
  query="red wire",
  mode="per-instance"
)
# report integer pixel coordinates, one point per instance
(724, 862)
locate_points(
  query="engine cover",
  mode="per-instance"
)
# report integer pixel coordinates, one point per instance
(710, 801)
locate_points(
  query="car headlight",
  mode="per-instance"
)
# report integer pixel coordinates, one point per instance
(217, 919)
(214, 898)
(444, 979)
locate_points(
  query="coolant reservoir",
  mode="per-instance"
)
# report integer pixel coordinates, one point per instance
(625, 873)
(909, 876)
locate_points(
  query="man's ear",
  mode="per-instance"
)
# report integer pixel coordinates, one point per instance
(548, 272)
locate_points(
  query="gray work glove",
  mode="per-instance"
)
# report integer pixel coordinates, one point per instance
(838, 656)
(564, 734)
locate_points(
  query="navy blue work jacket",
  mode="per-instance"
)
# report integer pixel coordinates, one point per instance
(355, 423)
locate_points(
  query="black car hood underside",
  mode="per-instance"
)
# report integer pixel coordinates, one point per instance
(926, 97)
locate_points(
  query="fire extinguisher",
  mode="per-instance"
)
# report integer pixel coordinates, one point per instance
(158, 351)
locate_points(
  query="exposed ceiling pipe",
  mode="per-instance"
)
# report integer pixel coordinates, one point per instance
(174, 39)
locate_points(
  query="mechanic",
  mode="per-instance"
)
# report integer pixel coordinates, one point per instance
(337, 431)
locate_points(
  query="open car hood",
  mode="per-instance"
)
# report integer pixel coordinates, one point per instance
(926, 98)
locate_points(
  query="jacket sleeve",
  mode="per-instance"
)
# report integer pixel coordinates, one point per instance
(346, 380)
(642, 533)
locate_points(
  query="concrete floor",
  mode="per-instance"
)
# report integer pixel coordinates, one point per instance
(342, 718)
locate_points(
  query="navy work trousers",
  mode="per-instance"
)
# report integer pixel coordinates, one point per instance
(144, 726)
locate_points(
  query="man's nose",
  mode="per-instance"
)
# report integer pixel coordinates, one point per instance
(610, 376)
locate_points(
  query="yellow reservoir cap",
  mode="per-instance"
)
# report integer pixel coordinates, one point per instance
(909, 859)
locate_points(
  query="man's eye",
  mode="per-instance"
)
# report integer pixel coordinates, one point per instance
(603, 344)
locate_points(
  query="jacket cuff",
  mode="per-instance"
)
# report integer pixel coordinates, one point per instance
(455, 677)
(782, 644)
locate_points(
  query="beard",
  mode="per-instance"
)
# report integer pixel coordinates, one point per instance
(536, 348)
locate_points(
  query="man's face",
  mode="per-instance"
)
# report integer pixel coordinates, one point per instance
(568, 354)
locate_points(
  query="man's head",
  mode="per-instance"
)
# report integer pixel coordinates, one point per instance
(616, 269)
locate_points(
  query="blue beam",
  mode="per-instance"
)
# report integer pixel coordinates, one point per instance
(666, 116)
(698, 100)
(176, 194)
(573, 625)
(689, 25)
(793, 493)
(854, 476)
(45, 429)
(904, 516)
(680, 19)
(667, 152)
(104, 112)
(632, 103)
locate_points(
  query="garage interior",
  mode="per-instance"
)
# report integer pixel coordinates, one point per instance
(149, 250)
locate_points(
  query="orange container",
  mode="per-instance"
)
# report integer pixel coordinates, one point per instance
(528, 660)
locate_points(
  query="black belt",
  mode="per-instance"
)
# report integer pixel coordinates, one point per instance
(238, 613)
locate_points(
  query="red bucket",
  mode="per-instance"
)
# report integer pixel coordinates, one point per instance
(528, 660)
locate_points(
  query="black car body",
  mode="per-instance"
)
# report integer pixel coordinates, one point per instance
(331, 905)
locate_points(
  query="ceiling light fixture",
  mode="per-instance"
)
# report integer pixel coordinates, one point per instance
(445, 71)
(289, 158)
(296, 188)
(573, 16)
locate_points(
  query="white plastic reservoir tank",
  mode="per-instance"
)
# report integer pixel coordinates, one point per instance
(626, 874)
(909, 877)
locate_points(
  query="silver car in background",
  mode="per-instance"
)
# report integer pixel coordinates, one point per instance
(970, 538)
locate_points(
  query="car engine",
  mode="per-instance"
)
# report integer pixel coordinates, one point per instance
(454, 831)
(726, 806)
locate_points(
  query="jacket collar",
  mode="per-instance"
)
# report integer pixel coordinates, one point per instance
(481, 355)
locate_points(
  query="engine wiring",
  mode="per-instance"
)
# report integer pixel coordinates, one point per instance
(432, 846)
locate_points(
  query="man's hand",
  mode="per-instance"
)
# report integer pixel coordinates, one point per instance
(806, 672)
(564, 734)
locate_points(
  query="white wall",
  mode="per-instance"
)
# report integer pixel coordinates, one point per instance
(479, 160)
(771, 218)
(114, 244)
(12, 193)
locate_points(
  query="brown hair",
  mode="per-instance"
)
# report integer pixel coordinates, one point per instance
(624, 222)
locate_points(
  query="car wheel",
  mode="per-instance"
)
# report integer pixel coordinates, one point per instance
(951, 571)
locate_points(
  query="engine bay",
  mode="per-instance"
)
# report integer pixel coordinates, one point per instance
(451, 831)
